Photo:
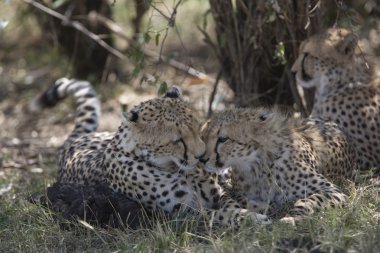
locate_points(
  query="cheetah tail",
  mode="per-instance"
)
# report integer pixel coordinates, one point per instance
(87, 104)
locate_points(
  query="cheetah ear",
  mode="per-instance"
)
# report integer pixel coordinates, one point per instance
(204, 128)
(347, 45)
(205, 125)
(131, 116)
(173, 92)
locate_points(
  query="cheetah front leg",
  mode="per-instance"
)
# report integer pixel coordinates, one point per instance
(231, 214)
(220, 206)
(328, 197)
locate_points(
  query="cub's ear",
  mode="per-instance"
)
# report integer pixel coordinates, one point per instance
(173, 92)
(265, 116)
(347, 45)
(131, 116)
(204, 128)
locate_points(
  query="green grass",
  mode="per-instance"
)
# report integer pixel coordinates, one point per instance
(25, 227)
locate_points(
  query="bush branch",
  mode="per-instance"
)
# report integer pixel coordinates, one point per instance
(77, 25)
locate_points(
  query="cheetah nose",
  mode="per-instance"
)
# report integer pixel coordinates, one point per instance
(201, 158)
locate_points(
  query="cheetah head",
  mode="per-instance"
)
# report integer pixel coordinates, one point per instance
(164, 131)
(237, 138)
(323, 58)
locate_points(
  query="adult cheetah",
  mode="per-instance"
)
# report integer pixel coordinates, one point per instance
(347, 90)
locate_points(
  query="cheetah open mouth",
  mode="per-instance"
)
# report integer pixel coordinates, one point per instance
(305, 77)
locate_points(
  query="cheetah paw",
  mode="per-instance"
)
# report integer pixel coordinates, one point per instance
(261, 219)
(292, 220)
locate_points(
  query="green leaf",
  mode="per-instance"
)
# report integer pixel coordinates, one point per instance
(205, 19)
(124, 107)
(59, 3)
(279, 53)
(157, 38)
(222, 39)
(163, 88)
(3, 23)
(147, 37)
(137, 69)
(135, 55)
(142, 80)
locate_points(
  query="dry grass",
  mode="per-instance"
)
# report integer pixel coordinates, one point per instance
(25, 227)
(27, 166)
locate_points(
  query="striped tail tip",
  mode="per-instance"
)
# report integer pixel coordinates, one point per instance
(48, 98)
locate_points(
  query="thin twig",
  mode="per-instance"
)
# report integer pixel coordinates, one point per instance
(171, 19)
(208, 40)
(119, 31)
(299, 98)
(171, 23)
(316, 6)
(212, 96)
(162, 43)
(260, 95)
(115, 28)
(339, 7)
(159, 11)
(77, 25)
(244, 8)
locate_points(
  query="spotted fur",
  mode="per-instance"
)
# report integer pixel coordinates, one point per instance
(152, 158)
(347, 91)
(277, 160)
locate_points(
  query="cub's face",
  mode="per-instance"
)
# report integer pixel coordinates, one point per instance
(323, 56)
(232, 139)
(165, 131)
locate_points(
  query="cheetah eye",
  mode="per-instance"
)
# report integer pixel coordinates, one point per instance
(222, 139)
(263, 117)
(177, 141)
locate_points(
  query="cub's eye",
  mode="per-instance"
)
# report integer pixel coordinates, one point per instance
(177, 141)
(222, 139)
(263, 117)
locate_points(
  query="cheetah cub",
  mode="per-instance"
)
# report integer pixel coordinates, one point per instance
(152, 158)
(277, 160)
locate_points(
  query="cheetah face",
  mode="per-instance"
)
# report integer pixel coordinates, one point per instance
(312, 72)
(228, 152)
(165, 131)
(323, 57)
(232, 139)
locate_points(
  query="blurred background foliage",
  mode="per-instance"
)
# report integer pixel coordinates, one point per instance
(222, 53)
(248, 44)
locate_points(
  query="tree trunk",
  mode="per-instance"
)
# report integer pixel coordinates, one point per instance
(87, 57)
(249, 36)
